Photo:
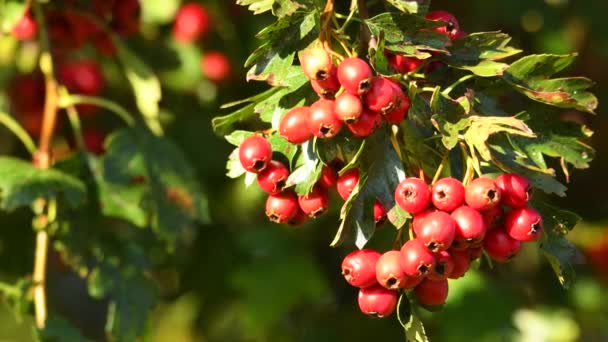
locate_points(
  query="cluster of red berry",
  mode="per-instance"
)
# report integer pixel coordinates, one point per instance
(453, 225)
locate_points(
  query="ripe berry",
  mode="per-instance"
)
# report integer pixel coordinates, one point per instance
(255, 153)
(25, 28)
(412, 195)
(461, 261)
(83, 77)
(524, 224)
(377, 301)
(416, 260)
(315, 203)
(444, 266)
(355, 75)
(448, 194)
(347, 183)
(381, 96)
(398, 114)
(294, 127)
(379, 214)
(328, 177)
(215, 66)
(366, 125)
(388, 270)
(411, 282)
(359, 267)
(470, 226)
(431, 292)
(493, 217)
(437, 231)
(451, 29)
(515, 190)
(348, 108)
(328, 87)
(403, 64)
(272, 179)
(322, 121)
(500, 246)
(475, 252)
(419, 218)
(299, 219)
(93, 140)
(482, 194)
(316, 63)
(282, 207)
(125, 17)
(191, 22)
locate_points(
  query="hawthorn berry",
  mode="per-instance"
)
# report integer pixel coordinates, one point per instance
(328, 87)
(524, 224)
(416, 260)
(294, 125)
(83, 76)
(482, 194)
(398, 114)
(316, 202)
(93, 140)
(282, 207)
(403, 64)
(381, 97)
(347, 183)
(316, 63)
(379, 214)
(328, 177)
(355, 75)
(437, 231)
(412, 195)
(125, 17)
(470, 226)
(515, 190)
(432, 292)
(25, 28)
(348, 108)
(461, 261)
(493, 217)
(377, 301)
(299, 219)
(474, 252)
(448, 194)
(388, 271)
(273, 178)
(366, 124)
(500, 246)
(191, 22)
(452, 27)
(255, 153)
(322, 120)
(444, 266)
(215, 66)
(419, 218)
(359, 267)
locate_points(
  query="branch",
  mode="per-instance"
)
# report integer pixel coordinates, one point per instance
(365, 33)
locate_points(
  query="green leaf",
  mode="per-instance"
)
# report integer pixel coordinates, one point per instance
(411, 6)
(398, 217)
(236, 138)
(482, 127)
(11, 11)
(414, 329)
(233, 166)
(308, 170)
(59, 330)
(279, 8)
(21, 183)
(272, 61)
(530, 76)
(295, 91)
(281, 145)
(222, 124)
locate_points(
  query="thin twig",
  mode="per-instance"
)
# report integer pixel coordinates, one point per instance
(440, 167)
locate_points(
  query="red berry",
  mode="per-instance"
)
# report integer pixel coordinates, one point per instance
(381, 96)
(294, 125)
(411, 282)
(255, 153)
(125, 17)
(316, 202)
(388, 270)
(282, 207)
(412, 195)
(322, 121)
(493, 217)
(431, 292)
(475, 252)
(359, 267)
(347, 183)
(461, 261)
(448, 194)
(316, 63)
(299, 219)
(379, 214)
(470, 226)
(403, 64)
(458, 35)
(452, 27)
(191, 22)
(366, 125)
(419, 218)
(416, 260)
(215, 66)
(524, 224)
(328, 87)
(377, 301)
(272, 179)
(515, 190)
(82, 77)
(348, 108)
(500, 246)
(398, 114)
(355, 75)
(328, 177)
(437, 231)
(93, 141)
(482, 194)
(444, 266)
(25, 28)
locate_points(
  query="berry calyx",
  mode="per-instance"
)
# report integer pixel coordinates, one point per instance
(359, 267)
(500, 246)
(482, 194)
(437, 231)
(524, 224)
(328, 87)
(381, 97)
(388, 271)
(255, 153)
(398, 114)
(412, 195)
(416, 260)
(448, 194)
(451, 29)
(315, 203)
(294, 125)
(432, 292)
(366, 124)
(348, 108)
(215, 66)
(316, 63)
(282, 207)
(377, 301)
(273, 178)
(191, 22)
(515, 189)
(355, 75)
(322, 121)
(444, 266)
(470, 227)
(347, 183)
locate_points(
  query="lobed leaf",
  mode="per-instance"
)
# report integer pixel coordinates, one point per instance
(411, 6)
(279, 8)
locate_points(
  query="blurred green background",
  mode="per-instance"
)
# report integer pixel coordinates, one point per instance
(245, 279)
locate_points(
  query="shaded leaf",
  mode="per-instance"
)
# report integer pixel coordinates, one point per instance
(279, 8)
(411, 6)
(59, 330)
(294, 91)
(307, 171)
